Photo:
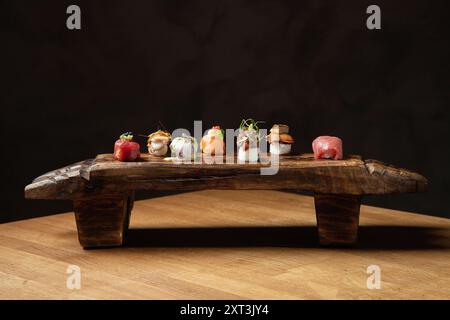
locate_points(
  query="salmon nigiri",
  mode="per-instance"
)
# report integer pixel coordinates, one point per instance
(213, 142)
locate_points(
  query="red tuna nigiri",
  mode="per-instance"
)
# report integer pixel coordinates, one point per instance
(125, 149)
(327, 147)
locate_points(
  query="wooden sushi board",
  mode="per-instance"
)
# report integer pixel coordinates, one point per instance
(102, 189)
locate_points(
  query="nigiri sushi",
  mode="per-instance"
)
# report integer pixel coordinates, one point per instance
(280, 140)
(327, 147)
(213, 142)
(184, 147)
(158, 143)
(248, 141)
(126, 149)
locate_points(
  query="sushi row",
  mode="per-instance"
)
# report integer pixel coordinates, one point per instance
(213, 143)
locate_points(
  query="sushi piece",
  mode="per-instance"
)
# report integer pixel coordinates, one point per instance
(213, 142)
(280, 140)
(184, 147)
(125, 149)
(158, 143)
(327, 147)
(248, 141)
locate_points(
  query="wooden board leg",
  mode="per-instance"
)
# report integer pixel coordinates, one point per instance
(337, 218)
(103, 221)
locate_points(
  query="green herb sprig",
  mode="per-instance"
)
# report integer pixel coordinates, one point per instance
(126, 136)
(250, 124)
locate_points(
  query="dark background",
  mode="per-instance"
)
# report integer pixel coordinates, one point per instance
(67, 95)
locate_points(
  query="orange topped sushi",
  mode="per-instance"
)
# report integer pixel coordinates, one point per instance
(213, 142)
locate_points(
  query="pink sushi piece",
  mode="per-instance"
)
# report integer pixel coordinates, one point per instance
(327, 147)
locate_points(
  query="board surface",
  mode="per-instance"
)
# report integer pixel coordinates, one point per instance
(353, 176)
(102, 189)
(103, 174)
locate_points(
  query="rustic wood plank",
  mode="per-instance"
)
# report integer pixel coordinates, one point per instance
(64, 183)
(104, 175)
(101, 188)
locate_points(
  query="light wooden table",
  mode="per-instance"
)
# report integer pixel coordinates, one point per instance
(228, 245)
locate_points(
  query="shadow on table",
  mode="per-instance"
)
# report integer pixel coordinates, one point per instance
(370, 237)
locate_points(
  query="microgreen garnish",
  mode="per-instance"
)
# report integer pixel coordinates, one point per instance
(126, 136)
(250, 124)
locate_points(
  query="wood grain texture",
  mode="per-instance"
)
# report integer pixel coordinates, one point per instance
(103, 221)
(104, 175)
(337, 218)
(242, 244)
(65, 183)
